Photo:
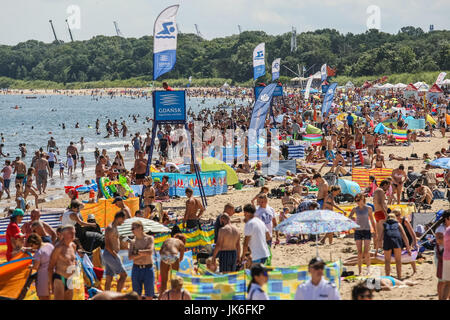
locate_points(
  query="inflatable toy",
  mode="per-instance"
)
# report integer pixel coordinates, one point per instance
(108, 187)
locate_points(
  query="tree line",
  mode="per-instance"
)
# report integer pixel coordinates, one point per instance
(103, 58)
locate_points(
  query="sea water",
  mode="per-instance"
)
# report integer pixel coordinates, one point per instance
(36, 120)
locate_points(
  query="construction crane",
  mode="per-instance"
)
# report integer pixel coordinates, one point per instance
(70, 31)
(118, 32)
(294, 40)
(239, 28)
(198, 31)
(54, 33)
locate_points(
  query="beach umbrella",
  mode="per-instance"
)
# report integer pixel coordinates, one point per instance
(316, 222)
(149, 226)
(443, 163)
(213, 164)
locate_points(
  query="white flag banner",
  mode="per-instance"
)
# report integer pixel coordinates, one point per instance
(259, 62)
(276, 69)
(323, 72)
(440, 78)
(165, 35)
(308, 87)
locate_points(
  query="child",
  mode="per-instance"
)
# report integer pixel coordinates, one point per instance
(20, 201)
(83, 165)
(61, 169)
(69, 164)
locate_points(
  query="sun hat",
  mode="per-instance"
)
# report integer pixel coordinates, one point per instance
(17, 212)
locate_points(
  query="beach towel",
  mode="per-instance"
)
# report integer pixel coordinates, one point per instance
(296, 152)
(400, 135)
(315, 139)
(361, 175)
(415, 124)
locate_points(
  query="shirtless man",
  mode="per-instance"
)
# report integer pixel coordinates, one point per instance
(111, 259)
(62, 265)
(423, 194)
(193, 205)
(136, 142)
(228, 247)
(35, 216)
(398, 179)
(370, 143)
(323, 189)
(73, 151)
(140, 167)
(141, 253)
(42, 168)
(100, 172)
(172, 252)
(51, 144)
(149, 197)
(381, 210)
(20, 169)
(147, 142)
(379, 160)
(118, 201)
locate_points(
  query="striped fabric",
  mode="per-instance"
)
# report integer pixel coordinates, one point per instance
(315, 139)
(51, 218)
(296, 152)
(228, 154)
(400, 135)
(361, 176)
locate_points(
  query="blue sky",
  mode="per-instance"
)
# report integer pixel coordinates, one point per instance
(21, 20)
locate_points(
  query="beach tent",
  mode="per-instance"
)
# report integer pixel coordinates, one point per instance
(434, 93)
(400, 86)
(313, 130)
(380, 129)
(349, 187)
(410, 90)
(213, 164)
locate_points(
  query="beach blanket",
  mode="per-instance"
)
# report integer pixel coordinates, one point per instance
(361, 175)
(400, 135)
(296, 152)
(415, 124)
(357, 158)
(315, 139)
(229, 154)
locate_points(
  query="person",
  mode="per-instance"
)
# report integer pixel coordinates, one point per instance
(317, 288)
(136, 142)
(51, 144)
(35, 215)
(392, 235)
(398, 179)
(172, 253)
(364, 218)
(410, 234)
(228, 247)
(350, 121)
(194, 210)
(140, 167)
(20, 169)
(177, 292)
(381, 210)
(41, 260)
(141, 253)
(361, 292)
(83, 165)
(162, 190)
(7, 171)
(61, 169)
(52, 159)
(113, 263)
(29, 188)
(69, 164)
(149, 197)
(446, 256)
(100, 172)
(423, 194)
(264, 190)
(267, 215)
(259, 276)
(42, 168)
(330, 205)
(13, 232)
(118, 201)
(256, 236)
(379, 160)
(229, 210)
(73, 216)
(62, 265)
(72, 152)
(111, 295)
(323, 189)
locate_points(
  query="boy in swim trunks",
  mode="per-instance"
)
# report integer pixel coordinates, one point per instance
(381, 210)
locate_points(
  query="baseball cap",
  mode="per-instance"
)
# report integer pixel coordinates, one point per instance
(17, 212)
(257, 269)
(317, 261)
(116, 199)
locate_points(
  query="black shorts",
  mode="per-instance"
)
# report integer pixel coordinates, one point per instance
(147, 149)
(190, 224)
(349, 154)
(392, 243)
(363, 235)
(227, 261)
(324, 148)
(74, 157)
(51, 164)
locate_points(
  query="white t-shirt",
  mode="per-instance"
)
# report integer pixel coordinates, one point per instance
(256, 230)
(66, 218)
(266, 215)
(51, 157)
(323, 291)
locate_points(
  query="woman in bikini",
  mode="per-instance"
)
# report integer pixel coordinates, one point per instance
(329, 205)
(149, 197)
(29, 188)
(398, 178)
(379, 160)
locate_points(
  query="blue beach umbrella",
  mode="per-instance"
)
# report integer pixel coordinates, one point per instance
(443, 163)
(316, 222)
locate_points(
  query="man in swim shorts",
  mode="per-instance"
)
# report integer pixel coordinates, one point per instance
(42, 167)
(140, 167)
(62, 265)
(228, 247)
(73, 151)
(323, 189)
(381, 210)
(20, 169)
(193, 205)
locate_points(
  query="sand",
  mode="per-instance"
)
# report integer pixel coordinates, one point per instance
(342, 248)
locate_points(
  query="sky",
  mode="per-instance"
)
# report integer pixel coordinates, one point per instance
(22, 20)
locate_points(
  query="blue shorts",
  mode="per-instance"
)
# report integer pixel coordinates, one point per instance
(363, 235)
(113, 265)
(6, 183)
(320, 202)
(143, 277)
(262, 260)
